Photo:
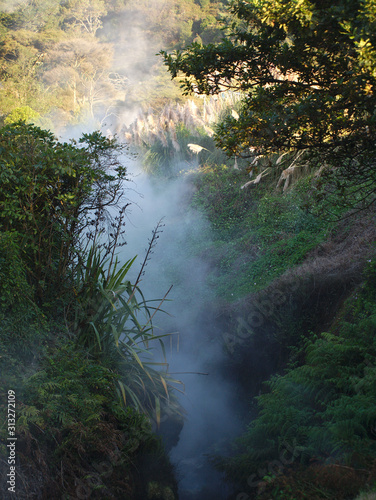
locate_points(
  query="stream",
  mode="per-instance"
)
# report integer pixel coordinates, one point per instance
(194, 350)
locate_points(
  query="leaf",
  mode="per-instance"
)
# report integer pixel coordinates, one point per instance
(122, 388)
(164, 385)
(157, 411)
(280, 158)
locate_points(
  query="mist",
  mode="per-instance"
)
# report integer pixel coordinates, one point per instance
(283, 280)
(194, 344)
(194, 349)
(12, 5)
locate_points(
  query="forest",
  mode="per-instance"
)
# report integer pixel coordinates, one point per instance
(219, 343)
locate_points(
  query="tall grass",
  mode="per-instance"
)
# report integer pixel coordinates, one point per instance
(182, 136)
(163, 137)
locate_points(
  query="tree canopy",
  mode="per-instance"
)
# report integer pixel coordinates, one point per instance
(65, 60)
(307, 72)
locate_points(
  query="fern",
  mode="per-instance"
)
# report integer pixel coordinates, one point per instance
(327, 404)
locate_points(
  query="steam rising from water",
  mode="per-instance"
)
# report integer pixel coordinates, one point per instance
(211, 419)
(210, 400)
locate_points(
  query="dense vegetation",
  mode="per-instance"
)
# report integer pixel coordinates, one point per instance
(291, 251)
(307, 74)
(295, 269)
(74, 331)
(295, 299)
(63, 62)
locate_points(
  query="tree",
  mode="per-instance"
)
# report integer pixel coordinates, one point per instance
(85, 15)
(53, 197)
(38, 15)
(81, 68)
(21, 58)
(307, 72)
(22, 113)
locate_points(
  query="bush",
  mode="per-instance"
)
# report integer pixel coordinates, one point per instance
(22, 114)
(326, 405)
(74, 430)
(46, 189)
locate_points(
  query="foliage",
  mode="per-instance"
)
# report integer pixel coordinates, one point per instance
(107, 323)
(85, 15)
(177, 23)
(79, 71)
(71, 423)
(89, 395)
(258, 234)
(324, 405)
(53, 205)
(306, 70)
(58, 58)
(21, 58)
(168, 138)
(83, 390)
(23, 326)
(22, 114)
(49, 194)
(14, 288)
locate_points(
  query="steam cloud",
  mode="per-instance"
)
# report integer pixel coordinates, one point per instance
(211, 420)
(210, 400)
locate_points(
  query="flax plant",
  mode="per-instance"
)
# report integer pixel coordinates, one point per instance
(113, 322)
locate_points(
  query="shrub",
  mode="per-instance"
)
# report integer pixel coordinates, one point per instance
(325, 405)
(22, 114)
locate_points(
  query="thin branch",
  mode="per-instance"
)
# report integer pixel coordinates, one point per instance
(151, 245)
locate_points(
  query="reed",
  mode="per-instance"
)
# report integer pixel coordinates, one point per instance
(163, 138)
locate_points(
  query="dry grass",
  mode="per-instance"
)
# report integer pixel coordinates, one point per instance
(150, 126)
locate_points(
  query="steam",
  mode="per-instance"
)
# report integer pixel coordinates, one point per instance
(135, 59)
(195, 353)
(196, 346)
(12, 5)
